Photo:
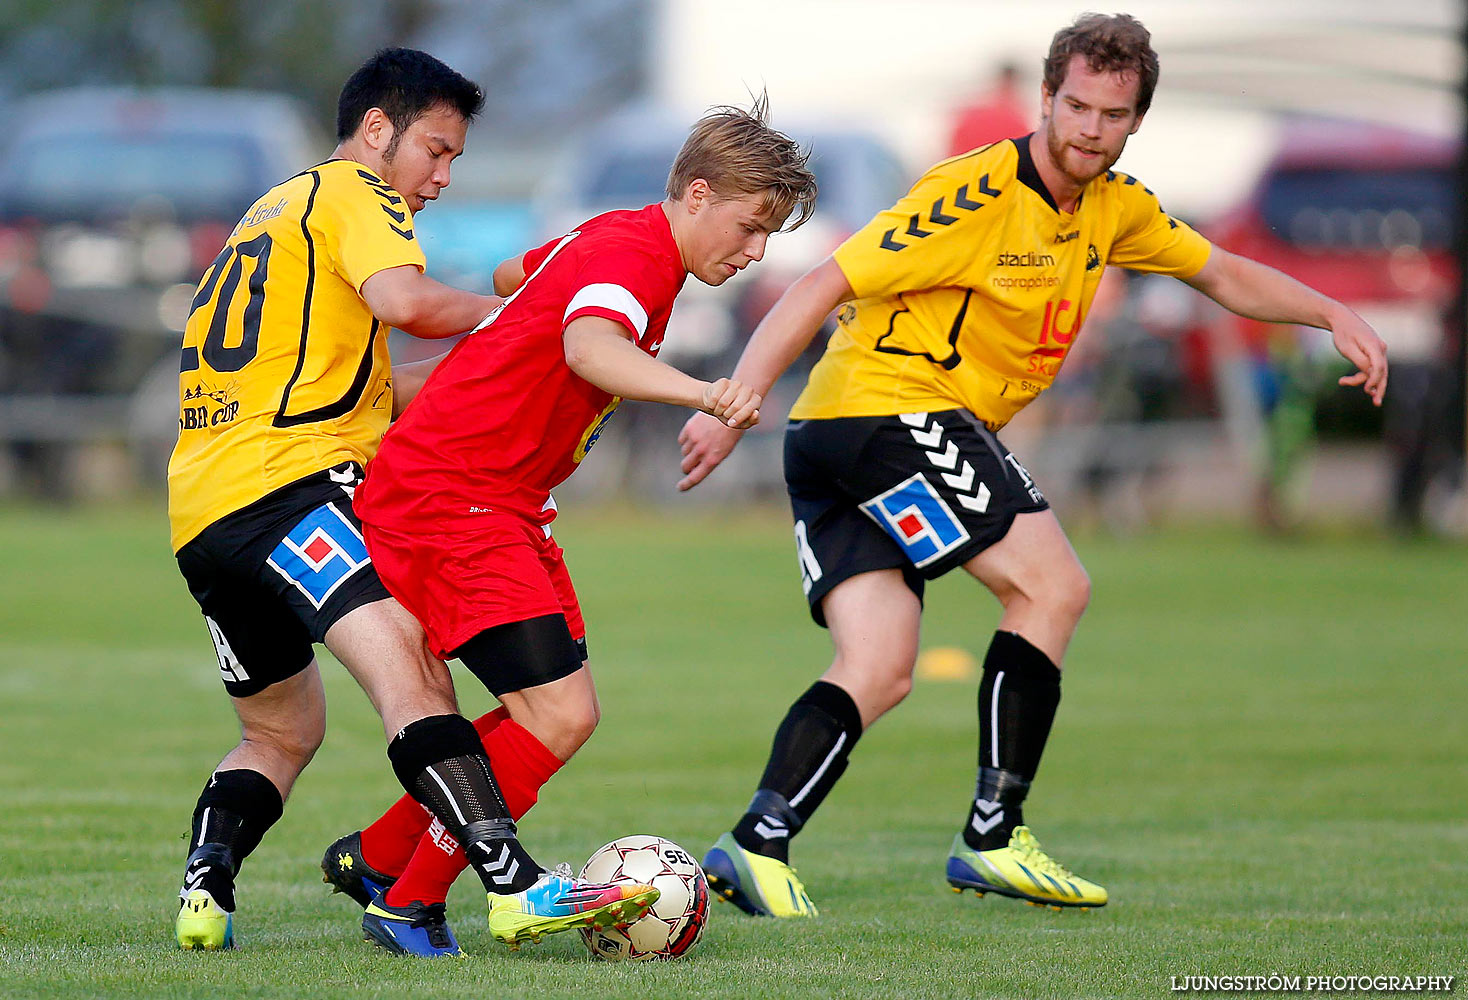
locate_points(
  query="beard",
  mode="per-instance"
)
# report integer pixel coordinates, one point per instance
(1081, 174)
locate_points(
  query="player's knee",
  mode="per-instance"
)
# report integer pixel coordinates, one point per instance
(564, 730)
(1072, 591)
(580, 722)
(876, 680)
(898, 687)
(294, 744)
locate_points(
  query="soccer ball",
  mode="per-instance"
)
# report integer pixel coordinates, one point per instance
(673, 925)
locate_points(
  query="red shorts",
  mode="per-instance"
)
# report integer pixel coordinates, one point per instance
(459, 584)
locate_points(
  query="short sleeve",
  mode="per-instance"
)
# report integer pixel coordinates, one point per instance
(624, 287)
(1148, 239)
(926, 240)
(532, 259)
(365, 225)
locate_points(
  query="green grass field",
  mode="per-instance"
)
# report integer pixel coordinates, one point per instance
(1261, 752)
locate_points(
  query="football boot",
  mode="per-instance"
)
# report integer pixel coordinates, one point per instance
(560, 902)
(1023, 870)
(206, 901)
(202, 923)
(345, 870)
(415, 929)
(760, 886)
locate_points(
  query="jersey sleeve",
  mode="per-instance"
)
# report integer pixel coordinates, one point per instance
(927, 240)
(616, 285)
(365, 225)
(1148, 239)
(532, 259)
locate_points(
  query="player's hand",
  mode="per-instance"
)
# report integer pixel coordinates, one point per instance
(706, 441)
(733, 402)
(1360, 345)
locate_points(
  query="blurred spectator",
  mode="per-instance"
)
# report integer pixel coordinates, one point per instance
(999, 113)
(1424, 433)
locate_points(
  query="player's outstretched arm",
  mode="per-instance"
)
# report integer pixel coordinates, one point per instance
(413, 302)
(601, 351)
(779, 339)
(1257, 291)
(509, 275)
(408, 379)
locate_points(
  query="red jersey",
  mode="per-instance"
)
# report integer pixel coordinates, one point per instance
(503, 420)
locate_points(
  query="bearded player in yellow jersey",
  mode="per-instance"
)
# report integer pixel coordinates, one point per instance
(285, 392)
(957, 307)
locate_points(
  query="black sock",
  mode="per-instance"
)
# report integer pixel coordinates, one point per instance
(233, 812)
(1017, 700)
(809, 753)
(503, 864)
(440, 761)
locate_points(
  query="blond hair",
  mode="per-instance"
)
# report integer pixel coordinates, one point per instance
(738, 153)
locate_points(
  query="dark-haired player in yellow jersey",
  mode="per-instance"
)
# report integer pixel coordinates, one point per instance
(957, 308)
(285, 392)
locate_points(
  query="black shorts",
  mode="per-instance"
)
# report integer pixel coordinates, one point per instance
(919, 492)
(273, 577)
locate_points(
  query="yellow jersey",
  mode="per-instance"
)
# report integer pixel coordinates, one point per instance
(285, 371)
(970, 291)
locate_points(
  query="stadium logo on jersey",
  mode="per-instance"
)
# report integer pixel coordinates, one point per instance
(593, 430)
(916, 517)
(320, 553)
(1027, 259)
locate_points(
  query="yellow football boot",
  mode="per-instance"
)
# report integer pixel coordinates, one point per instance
(1022, 870)
(760, 886)
(203, 923)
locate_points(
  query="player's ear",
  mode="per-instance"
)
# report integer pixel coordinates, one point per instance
(697, 194)
(1136, 124)
(376, 129)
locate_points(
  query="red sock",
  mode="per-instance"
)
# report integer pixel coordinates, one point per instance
(521, 765)
(389, 843)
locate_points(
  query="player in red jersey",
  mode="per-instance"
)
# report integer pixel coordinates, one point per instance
(457, 508)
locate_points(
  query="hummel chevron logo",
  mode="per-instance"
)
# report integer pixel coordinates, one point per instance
(770, 832)
(913, 230)
(195, 880)
(929, 438)
(502, 869)
(962, 480)
(386, 192)
(994, 815)
(979, 502)
(938, 217)
(947, 458)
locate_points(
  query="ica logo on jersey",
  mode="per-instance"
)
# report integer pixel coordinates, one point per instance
(1061, 323)
(594, 429)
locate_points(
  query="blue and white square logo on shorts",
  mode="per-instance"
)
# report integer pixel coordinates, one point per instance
(918, 520)
(319, 553)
